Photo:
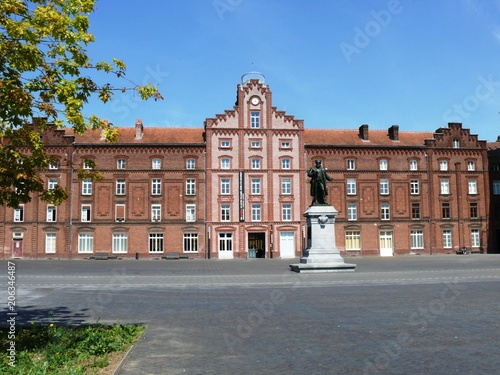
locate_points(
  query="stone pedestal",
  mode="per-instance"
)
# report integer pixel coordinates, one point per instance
(321, 254)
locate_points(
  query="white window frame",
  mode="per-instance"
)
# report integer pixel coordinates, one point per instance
(384, 186)
(51, 213)
(256, 183)
(190, 212)
(52, 183)
(286, 144)
(352, 211)
(225, 163)
(120, 186)
(256, 163)
(286, 163)
(456, 143)
(471, 165)
(155, 243)
(156, 212)
(351, 186)
(383, 164)
(50, 243)
(255, 119)
(156, 186)
(385, 211)
(414, 187)
(413, 165)
(286, 185)
(120, 243)
(85, 243)
(190, 243)
(190, 163)
(475, 239)
(445, 186)
(224, 143)
(225, 241)
(225, 212)
(86, 213)
(121, 163)
(19, 214)
(225, 186)
(117, 207)
(286, 212)
(417, 239)
(256, 209)
(443, 165)
(472, 183)
(87, 186)
(254, 144)
(352, 240)
(156, 163)
(54, 164)
(190, 186)
(447, 239)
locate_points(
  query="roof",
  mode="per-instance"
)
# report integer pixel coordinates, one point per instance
(150, 136)
(350, 137)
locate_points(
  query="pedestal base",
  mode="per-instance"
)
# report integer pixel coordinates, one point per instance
(322, 254)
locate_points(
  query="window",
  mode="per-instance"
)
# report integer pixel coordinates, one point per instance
(414, 187)
(286, 212)
(190, 186)
(286, 186)
(52, 183)
(471, 165)
(225, 242)
(352, 211)
(383, 165)
(285, 144)
(119, 212)
(50, 243)
(255, 163)
(474, 235)
(351, 164)
(385, 213)
(255, 181)
(472, 186)
(53, 164)
(88, 164)
(413, 165)
(156, 186)
(86, 211)
(445, 210)
(286, 163)
(87, 186)
(120, 164)
(225, 143)
(19, 213)
(225, 212)
(496, 187)
(255, 119)
(156, 212)
(456, 143)
(190, 242)
(190, 212)
(51, 213)
(156, 242)
(156, 163)
(447, 243)
(255, 144)
(120, 186)
(85, 242)
(256, 212)
(353, 240)
(190, 163)
(443, 165)
(120, 243)
(473, 211)
(417, 239)
(225, 186)
(445, 186)
(351, 186)
(225, 163)
(415, 211)
(384, 187)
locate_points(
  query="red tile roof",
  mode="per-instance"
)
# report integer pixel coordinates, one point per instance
(150, 136)
(350, 137)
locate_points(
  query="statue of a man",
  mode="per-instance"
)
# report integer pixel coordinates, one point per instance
(319, 190)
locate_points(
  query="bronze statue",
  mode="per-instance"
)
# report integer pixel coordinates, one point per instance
(319, 190)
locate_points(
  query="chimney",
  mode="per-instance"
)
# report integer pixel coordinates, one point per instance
(394, 132)
(139, 129)
(363, 132)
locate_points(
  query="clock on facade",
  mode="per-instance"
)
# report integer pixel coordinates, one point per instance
(255, 100)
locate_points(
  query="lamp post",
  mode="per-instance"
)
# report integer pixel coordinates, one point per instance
(208, 247)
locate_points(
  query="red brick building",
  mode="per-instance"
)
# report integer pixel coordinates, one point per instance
(238, 188)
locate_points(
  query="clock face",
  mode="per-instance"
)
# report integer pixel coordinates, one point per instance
(255, 100)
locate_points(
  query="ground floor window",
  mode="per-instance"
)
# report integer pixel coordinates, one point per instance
(225, 242)
(353, 240)
(475, 237)
(190, 242)
(417, 239)
(156, 242)
(120, 243)
(50, 243)
(85, 242)
(447, 243)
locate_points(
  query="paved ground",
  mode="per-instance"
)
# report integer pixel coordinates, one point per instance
(401, 315)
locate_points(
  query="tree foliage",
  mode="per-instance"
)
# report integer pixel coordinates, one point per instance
(46, 73)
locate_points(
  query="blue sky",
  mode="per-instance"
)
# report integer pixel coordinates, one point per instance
(333, 63)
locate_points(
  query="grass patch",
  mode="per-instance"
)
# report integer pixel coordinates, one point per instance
(50, 349)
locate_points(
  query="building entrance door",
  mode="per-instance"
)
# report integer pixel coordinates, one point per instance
(287, 244)
(17, 251)
(386, 244)
(257, 241)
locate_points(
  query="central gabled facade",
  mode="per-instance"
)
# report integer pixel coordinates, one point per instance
(255, 167)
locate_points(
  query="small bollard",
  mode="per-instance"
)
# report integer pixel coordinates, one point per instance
(136, 256)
